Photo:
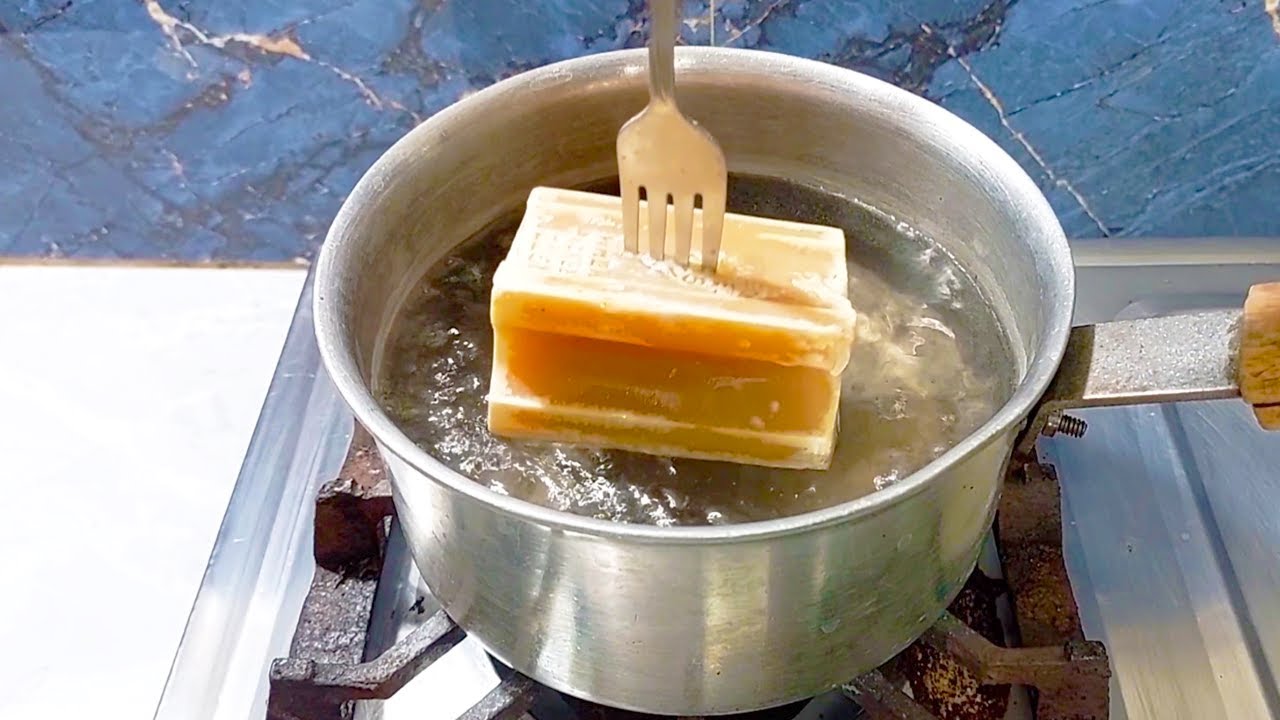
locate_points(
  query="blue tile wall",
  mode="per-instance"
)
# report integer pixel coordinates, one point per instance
(233, 129)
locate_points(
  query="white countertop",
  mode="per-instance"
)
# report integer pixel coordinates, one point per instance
(128, 395)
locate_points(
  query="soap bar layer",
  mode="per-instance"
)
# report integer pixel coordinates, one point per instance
(635, 398)
(594, 346)
(780, 292)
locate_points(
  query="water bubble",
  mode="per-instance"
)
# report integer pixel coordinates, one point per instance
(675, 499)
(887, 479)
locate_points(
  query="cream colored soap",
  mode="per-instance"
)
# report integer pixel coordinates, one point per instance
(596, 346)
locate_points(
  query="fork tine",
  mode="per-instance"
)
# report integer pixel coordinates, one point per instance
(657, 224)
(683, 227)
(712, 226)
(631, 217)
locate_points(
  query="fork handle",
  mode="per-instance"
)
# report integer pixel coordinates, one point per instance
(662, 51)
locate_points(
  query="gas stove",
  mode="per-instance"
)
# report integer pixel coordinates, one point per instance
(311, 607)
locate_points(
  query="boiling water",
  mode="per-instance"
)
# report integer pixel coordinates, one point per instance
(929, 366)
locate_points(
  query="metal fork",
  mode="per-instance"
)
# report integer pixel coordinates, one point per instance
(670, 160)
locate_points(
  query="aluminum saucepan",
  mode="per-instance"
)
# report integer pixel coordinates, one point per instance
(696, 620)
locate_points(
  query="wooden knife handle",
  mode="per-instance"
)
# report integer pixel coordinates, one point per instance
(1259, 376)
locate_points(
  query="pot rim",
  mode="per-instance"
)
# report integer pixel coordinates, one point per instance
(339, 359)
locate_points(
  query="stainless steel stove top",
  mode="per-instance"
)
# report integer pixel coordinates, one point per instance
(1170, 536)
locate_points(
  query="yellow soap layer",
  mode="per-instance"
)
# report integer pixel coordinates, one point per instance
(725, 392)
(779, 293)
(591, 392)
(644, 435)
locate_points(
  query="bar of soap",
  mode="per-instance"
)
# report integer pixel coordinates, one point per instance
(599, 347)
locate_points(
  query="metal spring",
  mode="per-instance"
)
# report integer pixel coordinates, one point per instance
(1068, 425)
(1072, 426)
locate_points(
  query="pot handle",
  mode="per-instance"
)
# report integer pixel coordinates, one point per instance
(1199, 356)
(1259, 370)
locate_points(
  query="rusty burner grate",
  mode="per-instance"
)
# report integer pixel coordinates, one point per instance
(957, 671)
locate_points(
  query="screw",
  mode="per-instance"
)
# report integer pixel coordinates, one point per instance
(1068, 425)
